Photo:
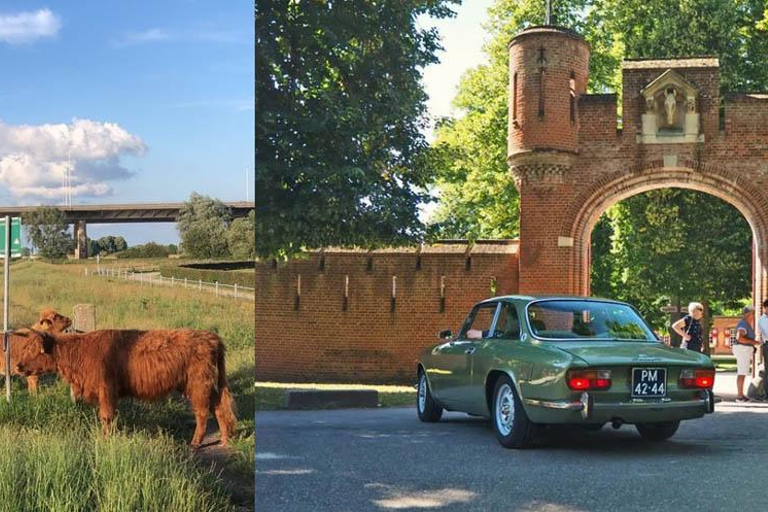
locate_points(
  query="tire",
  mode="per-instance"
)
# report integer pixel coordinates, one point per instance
(656, 432)
(510, 422)
(428, 409)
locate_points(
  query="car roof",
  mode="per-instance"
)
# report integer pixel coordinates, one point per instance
(532, 298)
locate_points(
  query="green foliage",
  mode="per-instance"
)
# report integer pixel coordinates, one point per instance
(669, 244)
(48, 232)
(203, 224)
(148, 250)
(727, 29)
(241, 237)
(339, 114)
(111, 244)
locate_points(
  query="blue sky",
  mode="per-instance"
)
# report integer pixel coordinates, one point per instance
(462, 38)
(143, 101)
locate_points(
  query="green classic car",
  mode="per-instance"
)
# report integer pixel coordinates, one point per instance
(527, 362)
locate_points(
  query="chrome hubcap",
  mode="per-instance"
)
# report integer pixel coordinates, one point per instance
(505, 410)
(422, 392)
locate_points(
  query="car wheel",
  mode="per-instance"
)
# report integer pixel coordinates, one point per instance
(511, 423)
(426, 406)
(657, 431)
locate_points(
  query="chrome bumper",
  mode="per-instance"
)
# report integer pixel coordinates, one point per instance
(587, 406)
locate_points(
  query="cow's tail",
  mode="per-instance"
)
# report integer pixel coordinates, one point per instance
(225, 408)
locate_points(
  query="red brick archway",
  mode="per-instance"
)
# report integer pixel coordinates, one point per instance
(592, 203)
(571, 159)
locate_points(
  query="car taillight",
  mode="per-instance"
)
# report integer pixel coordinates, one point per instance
(701, 379)
(584, 380)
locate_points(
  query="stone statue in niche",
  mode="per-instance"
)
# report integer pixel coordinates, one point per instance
(670, 105)
(691, 105)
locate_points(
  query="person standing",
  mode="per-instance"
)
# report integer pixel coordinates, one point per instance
(762, 325)
(689, 327)
(743, 348)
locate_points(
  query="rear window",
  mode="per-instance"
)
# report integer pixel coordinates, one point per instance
(586, 320)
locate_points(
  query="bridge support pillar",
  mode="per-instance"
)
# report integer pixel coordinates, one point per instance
(81, 237)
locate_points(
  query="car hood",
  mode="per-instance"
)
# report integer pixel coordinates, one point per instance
(609, 353)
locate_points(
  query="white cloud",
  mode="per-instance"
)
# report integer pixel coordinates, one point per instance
(35, 159)
(153, 35)
(25, 27)
(132, 38)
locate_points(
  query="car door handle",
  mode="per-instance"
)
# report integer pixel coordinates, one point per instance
(470, 351)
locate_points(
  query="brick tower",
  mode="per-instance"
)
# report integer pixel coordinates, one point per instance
(548, 70)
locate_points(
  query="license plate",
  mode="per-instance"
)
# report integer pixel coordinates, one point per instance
(649, 382)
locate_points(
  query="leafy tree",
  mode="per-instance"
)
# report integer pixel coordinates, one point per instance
(339, 114)
(48, 231)
(111, 244)
(148, 250)
(241, 237)
(203, 224)
(93, 247)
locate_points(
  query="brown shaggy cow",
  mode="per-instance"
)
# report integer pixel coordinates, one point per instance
(147, 365)
(51, 321)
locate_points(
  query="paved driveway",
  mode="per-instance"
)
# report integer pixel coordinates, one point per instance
(385, 459)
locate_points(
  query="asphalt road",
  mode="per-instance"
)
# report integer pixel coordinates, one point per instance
(385, 459)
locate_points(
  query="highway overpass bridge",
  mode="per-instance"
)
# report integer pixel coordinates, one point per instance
(81, 215)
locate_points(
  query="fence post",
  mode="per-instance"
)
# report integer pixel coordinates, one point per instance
(200, 284)
(172, 281)
(235, 289)
(217, 288)
(185, 283)
(86, 271)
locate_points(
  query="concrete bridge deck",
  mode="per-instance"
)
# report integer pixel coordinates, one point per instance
(124, 213)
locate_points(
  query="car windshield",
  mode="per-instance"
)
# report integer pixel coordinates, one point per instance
(586, 320)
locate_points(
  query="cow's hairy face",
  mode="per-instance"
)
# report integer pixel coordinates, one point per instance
(51, 321)
(17, 343)
(35, 354)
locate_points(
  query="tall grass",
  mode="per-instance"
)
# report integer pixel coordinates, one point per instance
(52, 454)
(107, 474)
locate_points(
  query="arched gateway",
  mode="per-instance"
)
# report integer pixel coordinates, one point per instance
(571, 160)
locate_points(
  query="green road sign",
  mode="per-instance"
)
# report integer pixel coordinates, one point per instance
(15, 237)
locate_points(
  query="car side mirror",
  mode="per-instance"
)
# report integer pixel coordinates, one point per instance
(446, 334)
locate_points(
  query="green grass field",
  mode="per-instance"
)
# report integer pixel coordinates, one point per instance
(52, 453)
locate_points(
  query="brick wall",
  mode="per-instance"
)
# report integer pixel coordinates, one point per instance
(315, 339)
